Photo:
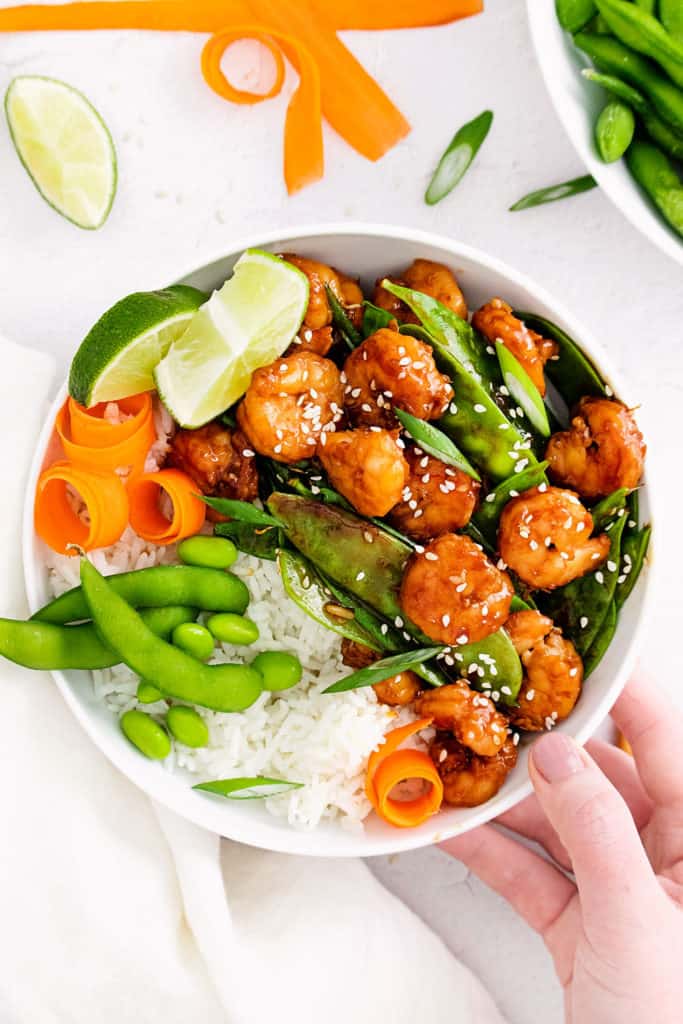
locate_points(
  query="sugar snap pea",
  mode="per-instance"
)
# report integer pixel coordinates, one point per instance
(657, 176)
(571, 371)
(641, 31)
(51, 647)
(210, 589)
(487, 516)
(658, 130)
(145, 734)
(458, 156)
(574, 14)
(614, 130)
(176, 674)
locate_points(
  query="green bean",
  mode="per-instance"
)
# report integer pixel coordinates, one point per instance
(278, 669)
(458, 156)
(574, 14)
(209, 552)
(614, 58)
(232, 629)
(51, 647)
(487, 516)
(148, 693)
(658, 130)
(145, 734)
(187, 726)
(641, 31)
(571, 371)
(551, 193)
(340, 319)
(614, 130)
(598, 648)
(176, 674)
(194, 639)
(671, 17)
(656, 175)
(260, 541)
(158, 587)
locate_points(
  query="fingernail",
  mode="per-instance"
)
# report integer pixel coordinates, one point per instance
(556, 757)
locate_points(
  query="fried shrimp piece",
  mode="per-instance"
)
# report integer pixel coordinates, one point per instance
(496, 321)
(436, 499)
(545, 537)
(470, 716)
(366, 466)
(469, 779)
(393, 369)
(318, 313)
(454, 593)
(425, 276)
(602, 451)
(553, 672)
(218, 459)
(289, 404)
(319, 341)
(396, 691)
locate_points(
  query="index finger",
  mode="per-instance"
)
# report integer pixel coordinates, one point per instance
(654, 728)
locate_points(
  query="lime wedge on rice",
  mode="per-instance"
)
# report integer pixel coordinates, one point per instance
(118, 355)
(248, 323)
(65, 146)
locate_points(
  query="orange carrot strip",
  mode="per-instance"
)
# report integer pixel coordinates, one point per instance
(391, 742)
(388, 14)
(407, 764)
(154, 15)
(58, 524)
(89, 427)
(146, 517)
(100, 446)
(303, 149)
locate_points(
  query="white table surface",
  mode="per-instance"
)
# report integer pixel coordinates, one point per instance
(196, 172)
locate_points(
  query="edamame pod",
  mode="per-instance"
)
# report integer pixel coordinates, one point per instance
(657, 176)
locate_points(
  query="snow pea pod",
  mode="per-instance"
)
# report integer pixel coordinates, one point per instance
(658, 130)
(50, 647)
(598, 648)
(158, 587)
(657, 176)
(374, 318)
(176, 674)
(571, 371)
(641, 31)
(574, 14)
(487, 516)
(614, 130)
(260, 541)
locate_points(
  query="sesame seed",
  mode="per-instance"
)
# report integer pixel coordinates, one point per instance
(506, 690)
(418, 514)
(621, 579)
(612, 566)
(542, 488)
(360, 576)
(355, 392)
(583, 621)
(384, 629)
(398, 622)
(530, 694)
(460, 587)
(462, 639)
(490, 497)
(431, 556)
(443, 755)
(453, 409)
(277, 449)
(515, 739)
(573, 672)
(479, 407)
(514, 494)
(522, 464)
(445, 619)
(366, 408)
(600, 577)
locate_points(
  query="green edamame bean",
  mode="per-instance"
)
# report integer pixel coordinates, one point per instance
(209, 552)
(232, 629)
(614, 130)
(145, 734)
(148, 693)
(187, 726)
(657, 176)
(194, 639)
(574, 14)
(279, 670)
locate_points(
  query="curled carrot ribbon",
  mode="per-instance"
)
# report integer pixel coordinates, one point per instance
(331, 81)
(57, 520)
(146, 516)
(388, 766)
(92, 442)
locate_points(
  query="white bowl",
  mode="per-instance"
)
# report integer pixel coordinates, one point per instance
(368, 250)
(578, 103)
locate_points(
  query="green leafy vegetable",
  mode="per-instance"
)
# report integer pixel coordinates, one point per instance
(245, 788)
(374, 318)
(554, 192)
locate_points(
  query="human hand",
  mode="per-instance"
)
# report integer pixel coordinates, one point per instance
(614, 930)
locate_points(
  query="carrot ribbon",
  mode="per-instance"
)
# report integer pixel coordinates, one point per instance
(92, 442)
(57, 518)
(331, 81)
(146, 517)
(388, 766)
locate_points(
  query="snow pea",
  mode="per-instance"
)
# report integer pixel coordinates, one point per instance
(340, 320)
(671, 17)
(374, 318)
(176, 674)
(458, 156)
(658, 178)
(158, 587)
(571, 371)
(598, 648)
(614, 58)
(574, 14)
(50, 646)
(614, 130)
(145, 734)
(658, 130)
(641, 31)
(487, 516)
(260, 541)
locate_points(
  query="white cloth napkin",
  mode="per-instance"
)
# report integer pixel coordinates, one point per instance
(113, 910)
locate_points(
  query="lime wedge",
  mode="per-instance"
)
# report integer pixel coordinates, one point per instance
(248, 323)
(118, 355)
(65, 146)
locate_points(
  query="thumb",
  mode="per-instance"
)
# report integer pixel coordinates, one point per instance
(615, 879)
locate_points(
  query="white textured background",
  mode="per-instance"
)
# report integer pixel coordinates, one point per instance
(196, 172)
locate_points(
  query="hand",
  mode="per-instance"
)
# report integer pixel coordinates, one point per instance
(615, 929)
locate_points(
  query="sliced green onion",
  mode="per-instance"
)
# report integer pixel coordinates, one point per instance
(555, 192)
(341, 320)
(384, 669)
(458, 156)
(435, 443)
(255, 788)
(243, 511)
(523, 389)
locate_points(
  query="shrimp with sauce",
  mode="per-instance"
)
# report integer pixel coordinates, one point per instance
(318, 313)
(453, 593)
(289, 404)
(218, 459)
(470, 716)
(553, 672)
(468, 778)
(392, 369)
(434, 279)
(396, 691)
(602, 451)
(436, 498)
(545, 537)
(496, 321)
(366, 466)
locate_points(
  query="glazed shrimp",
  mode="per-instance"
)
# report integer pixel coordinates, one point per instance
(436, 499)
(470, 716)
(602, 451)
(496, 321)
(453, 592)
(318, 314)
(433, 279)
(545, 537)
(469, 779)
(366, 466)
(289, 404)
(219, 461)
(397, 691)
(553, 672)
(393, 369)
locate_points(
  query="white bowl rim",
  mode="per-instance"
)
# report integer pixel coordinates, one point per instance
(290, 840)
